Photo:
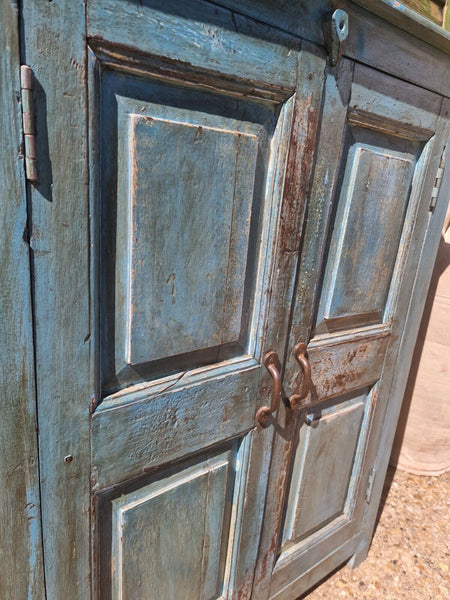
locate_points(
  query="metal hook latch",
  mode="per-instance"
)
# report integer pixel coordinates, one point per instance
(263, 414)
(335, 32)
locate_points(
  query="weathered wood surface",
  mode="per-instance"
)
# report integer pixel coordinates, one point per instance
(345, 364)
(21, 570)
(322, 471)
(404, 110)
(301, 559)
(418, 53)
(201, 35)
(179, 253)
(366, 236)
(418, 268)
(217, 95)
(154, 430)
(331, 357)
(273, 487)
(55, 50)
(170, 538)
(409, 58)
(258, 101)
(424, 18)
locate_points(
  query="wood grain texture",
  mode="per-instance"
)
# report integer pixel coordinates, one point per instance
(198, 270)
(179, 234)
(151, 430)
(419, 17)
(54, 43)
(142, 428)
(330, 146)
(170, 538)
(418, 270)
(413, 110)
(20, 536)
(410, 58)
(319, 490)
(329, 141)
(208, 180)
(272, 446)
(346, 364)
(417, 53)
(334, 560)
(305, 557)
(366, 236)
(201, 35)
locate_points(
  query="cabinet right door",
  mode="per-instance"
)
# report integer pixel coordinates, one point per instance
(367, 216)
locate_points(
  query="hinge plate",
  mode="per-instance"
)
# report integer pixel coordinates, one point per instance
(370, 483)
(28, 122)
(437, 181)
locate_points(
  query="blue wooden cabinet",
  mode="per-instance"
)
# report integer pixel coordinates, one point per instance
(223, 223)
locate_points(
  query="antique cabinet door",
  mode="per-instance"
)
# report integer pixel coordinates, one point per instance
(378, 152)
(188, 159)
(157, 228)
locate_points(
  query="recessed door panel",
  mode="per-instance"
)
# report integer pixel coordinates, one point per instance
(170, 534)
(366, 232)
(184, 178)
(323, 466)
(167, 537)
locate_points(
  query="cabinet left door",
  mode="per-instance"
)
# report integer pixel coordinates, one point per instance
(20, 532)
(164, 134)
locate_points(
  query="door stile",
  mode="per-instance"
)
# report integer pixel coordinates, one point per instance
(54, 42)
(265, 455)
(21, 534)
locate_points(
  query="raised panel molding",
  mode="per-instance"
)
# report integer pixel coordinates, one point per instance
(187, 208)
(174, 533)
(367, 230)
(167, 536)
(323, 467)
(187, 235)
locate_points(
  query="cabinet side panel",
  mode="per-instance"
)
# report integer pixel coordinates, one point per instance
(54, 39)
(20, 535)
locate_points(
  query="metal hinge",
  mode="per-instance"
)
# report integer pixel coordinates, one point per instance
(29, 124)
(437, 181)
(370, 483)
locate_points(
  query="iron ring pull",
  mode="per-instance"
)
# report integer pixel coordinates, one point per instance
(263, 414)
(296, 400)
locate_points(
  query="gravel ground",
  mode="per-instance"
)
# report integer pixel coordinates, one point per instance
(410, 553)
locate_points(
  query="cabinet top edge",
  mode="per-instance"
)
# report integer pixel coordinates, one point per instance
(410, 21)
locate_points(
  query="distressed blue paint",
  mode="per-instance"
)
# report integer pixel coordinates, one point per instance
(190, 162)
(171, 537)
(167, 354)
(366, 235)
(365, 289)
(20, 533)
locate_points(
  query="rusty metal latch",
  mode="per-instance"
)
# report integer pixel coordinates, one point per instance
(270, 362)
(335, 32)
(296, 400)
(29, 124)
